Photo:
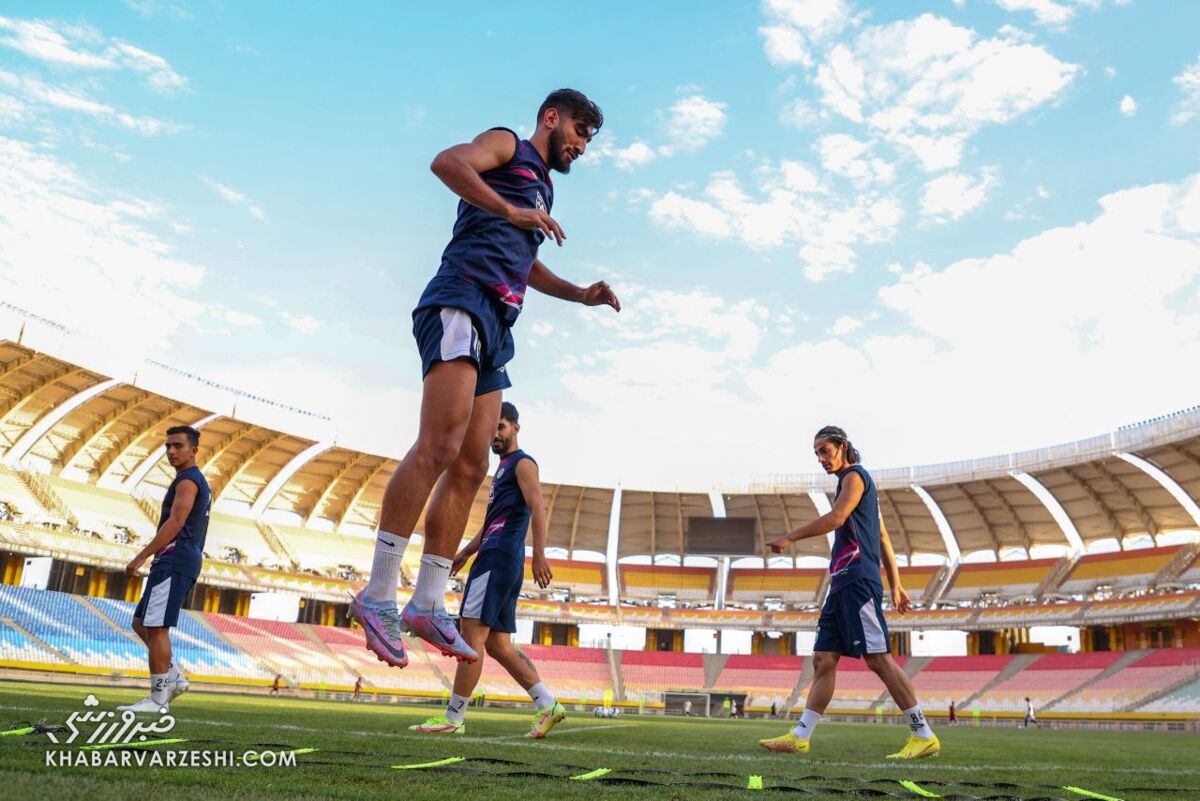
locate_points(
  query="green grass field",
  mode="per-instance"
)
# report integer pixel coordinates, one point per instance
(678, 758)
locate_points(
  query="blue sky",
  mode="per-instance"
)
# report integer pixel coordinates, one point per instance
(954, 228)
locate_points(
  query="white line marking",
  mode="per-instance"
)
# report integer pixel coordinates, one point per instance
(555, 733)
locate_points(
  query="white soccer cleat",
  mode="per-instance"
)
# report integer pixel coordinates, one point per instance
(179, 687)
(146, 706)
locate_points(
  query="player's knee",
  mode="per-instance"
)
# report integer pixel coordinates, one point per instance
(138, 627)
(470, 471)
(878, 663)
(824, 663)
(437, 453)
(497, 647)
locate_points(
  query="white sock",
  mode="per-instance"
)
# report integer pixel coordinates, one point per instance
(541, 696)
(160, 689)
(918, 724)
(430, 592)
(385, 568)
(808, 722)
(173, 674)
(456, 710)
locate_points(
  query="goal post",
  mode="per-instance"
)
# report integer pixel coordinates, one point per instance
(677, 704)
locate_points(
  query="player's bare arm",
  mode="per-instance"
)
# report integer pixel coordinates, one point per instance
(460, 166)
(900, 599)
(460, 559)
(852, 492)
(531, 489)
(185, 498)
(545, 281)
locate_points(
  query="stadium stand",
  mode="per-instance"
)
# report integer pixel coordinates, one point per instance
(16, 494)
(1118, 570)
(787, 585)
(648, 582)
(226, 531)
(581, 579)
(858, 687)
(765, 680)
(70, 626)
(1182, 700)
(348, 647)
(1009, 580)
(321, 550)
(1152, 673)
(956, 678)
(282, 647)
(197, 648)
(1046, 679)
(648, 674)
(572, 672)
(101, 509)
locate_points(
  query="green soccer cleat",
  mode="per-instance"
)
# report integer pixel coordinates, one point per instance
(439, 725)
(546, 719)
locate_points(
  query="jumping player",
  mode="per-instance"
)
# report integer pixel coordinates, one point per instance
(178, 550)
(489, 606)
(851, 622)
(462, 324)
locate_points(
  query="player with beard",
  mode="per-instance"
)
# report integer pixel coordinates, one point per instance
(489, 605)
(462, 325)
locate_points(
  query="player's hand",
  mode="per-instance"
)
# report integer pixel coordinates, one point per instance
(135, 564)
(780, 544)
(541, 570)
(530, 219)
(460, 559)
(601, 294)
(901, 601)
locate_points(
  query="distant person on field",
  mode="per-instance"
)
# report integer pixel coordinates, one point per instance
(1030, 715)
(178, 551)
(358, 688)
(953, 715)
(687, 708)
(275, 687)
(852, 622)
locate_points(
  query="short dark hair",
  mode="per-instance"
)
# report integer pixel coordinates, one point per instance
(192, 434)
(575, 104)
(838, 436)
(509, 412)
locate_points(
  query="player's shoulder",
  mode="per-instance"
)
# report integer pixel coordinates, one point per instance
(196, 476)
(500, 140)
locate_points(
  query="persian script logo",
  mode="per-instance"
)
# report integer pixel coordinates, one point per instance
(113, 729)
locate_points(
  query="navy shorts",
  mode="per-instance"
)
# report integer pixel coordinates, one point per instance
(852, 623)
(456, 320)
(493, 586)
(162, 597)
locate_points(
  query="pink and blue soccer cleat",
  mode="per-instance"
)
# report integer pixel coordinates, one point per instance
(383, 628)
(437, 628)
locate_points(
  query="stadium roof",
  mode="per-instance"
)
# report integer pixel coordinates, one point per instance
(1142, 479)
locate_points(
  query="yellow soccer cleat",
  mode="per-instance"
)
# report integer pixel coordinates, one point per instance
(918, 748)
(439, 724)
(786, 743)
(546, 719)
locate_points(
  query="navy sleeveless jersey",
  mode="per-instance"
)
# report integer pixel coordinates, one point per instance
(492, 252)
(855, 554)
(185, 553)
(508, 512)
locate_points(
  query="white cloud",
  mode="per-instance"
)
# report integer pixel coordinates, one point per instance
(49, 96)
(691, 122)
(791, 207)
(926, 84)
(635, 155)
(845, 325)
(1047, 12)
(541, 328)
(1042, 326)
(231, 195)
(797, 25)
(953, 194)
(844, 155)
(1128, 106)
(303, 323)
(74, 256)
(85, 48)
(1052, 13)
(1188, 106)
